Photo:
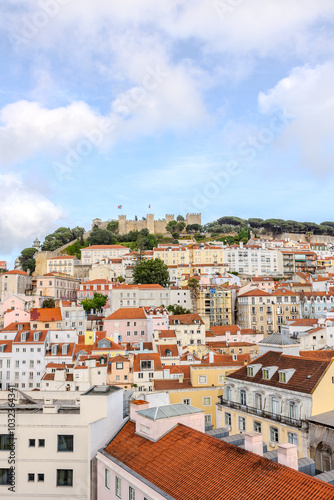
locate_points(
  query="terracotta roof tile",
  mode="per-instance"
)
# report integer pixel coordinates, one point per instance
(188, 464)
(307, 375)
(127, 313)
(46, 314)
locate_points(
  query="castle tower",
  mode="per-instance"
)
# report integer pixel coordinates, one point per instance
(169, 217)
(194, 219)
(122, 224)
(150, 223)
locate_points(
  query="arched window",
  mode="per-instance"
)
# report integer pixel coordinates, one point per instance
(275, 406)
(168, 352)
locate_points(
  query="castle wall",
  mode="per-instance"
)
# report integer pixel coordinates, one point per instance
(154, 226)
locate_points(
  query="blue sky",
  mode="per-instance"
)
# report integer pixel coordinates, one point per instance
(213, 106)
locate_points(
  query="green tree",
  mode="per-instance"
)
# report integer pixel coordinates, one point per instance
(121, 279)
(229, 219)
(255, 222)
(194, 228)
(180, 218)
(171, 226)
(113, 226)
(61, 236)
(150, 272)
(175, 235)
(101, 237)
(27, 259)
(176, 309)
(49, 304)
(180, 226)
(97, 302)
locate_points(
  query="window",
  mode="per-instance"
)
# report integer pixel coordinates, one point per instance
(32, 443)
(274, 434)
(41, 443)
(40, 478)
(228, 393)
(31, 477)
(282, 377)
(228, 419)
(221, 379)
(250, 371)
(119, 366)
(132, 493)
(208, 419)
(243, 397)
(65, 442)
(186, 401)
(242, 423)
(257, 427)
(118, 487)
(5, 442)
(292, 438)
(293, 410)
(206, 401)
(5, 476)
(275, 406)
(258, 401)
(107, 478)
(265, 374)
(64, 477)
(202, 379)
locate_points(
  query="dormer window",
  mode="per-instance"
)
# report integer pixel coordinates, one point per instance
(54, 349)
(23, 336)
(282, 377)
(285, 375)
(64, 349)
(265, 374)
(36, 336)
(250, 371)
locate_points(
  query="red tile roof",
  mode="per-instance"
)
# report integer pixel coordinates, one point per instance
(162, 348)
(308, 372)
(325, 354)
(46, 314)
(304, 322)
(30, 334)
(13, 327)
(147, 357)
(62, 257)
(188, 464)
(127, 313)
(17, 272)
(106, 247)
(140, 287)
(8, 344)
(167, 334)
(255, 293)
(70, 350)
(222, 330)
(185, 319)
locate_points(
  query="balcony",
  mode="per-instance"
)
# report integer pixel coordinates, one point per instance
(263, 413)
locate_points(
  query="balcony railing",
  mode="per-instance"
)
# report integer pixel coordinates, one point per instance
(263, 413)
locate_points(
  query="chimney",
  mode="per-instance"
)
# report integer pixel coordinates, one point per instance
(288, 455)
(253, 442)
(181, 377)
(137, 405)
(211, 357)
(241, 244)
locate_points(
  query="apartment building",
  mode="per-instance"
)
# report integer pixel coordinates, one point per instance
(267, 312)
(62, 264)
(254, 261)
(55, 285)
(316, 304)
(56, 442)
(275, 395)
(95, 253)
(183, 255)
(138, 296)
(217, 303)
(146, 368)
(86, 290)
(14, 282)
(189, 329)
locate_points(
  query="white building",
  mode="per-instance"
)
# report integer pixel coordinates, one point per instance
(56, 442)
(254, 261)
(95, 253)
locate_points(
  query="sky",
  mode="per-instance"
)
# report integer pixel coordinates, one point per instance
(223, 107)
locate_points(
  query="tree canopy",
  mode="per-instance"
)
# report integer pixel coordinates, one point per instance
(151, 272)
(27, 259)
(176, 309)
(101, 237)
(61, 236)
(97, 302)
(49, 304)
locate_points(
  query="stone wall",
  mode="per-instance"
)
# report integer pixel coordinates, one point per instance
(154, 226)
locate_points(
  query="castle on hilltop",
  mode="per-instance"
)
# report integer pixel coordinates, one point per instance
(154, 226)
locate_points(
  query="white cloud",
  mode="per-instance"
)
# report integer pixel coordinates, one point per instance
(307, 95)
(24, 214)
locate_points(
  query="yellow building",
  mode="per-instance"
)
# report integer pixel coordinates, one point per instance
(216, 303)
(197, 385)
(62, 264)
(275, 395)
